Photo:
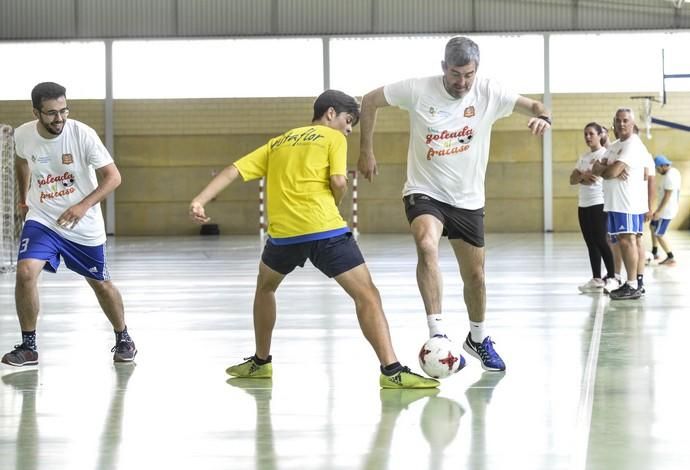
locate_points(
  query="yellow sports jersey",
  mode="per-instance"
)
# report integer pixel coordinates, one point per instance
(298, 165)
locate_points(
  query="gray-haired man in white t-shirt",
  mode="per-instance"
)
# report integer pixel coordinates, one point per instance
(625, 198)
(451, 116)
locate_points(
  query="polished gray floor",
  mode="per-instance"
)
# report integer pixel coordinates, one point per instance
(591, 384)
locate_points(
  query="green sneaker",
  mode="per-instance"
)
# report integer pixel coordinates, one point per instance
(250, 369)
(405, 378)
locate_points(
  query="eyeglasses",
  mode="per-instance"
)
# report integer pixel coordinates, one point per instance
(53, 114)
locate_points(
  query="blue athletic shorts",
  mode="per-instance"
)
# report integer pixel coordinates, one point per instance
(332, 256)
(619, 223)
(39, 242)
(660, 226)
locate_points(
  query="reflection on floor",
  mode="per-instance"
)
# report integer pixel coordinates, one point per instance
(590, 383)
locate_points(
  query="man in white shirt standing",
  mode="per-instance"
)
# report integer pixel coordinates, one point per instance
(451, 116)
(669, 195)
(623, 170)
(57, 164)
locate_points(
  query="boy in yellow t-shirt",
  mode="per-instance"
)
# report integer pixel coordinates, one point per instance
(305, 170)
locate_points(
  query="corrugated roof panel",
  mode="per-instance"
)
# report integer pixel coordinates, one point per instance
(37, 19)
(127, 18)
(499, 15)
(59, 19)
(323, 17)
(412, 16)
(221, 17)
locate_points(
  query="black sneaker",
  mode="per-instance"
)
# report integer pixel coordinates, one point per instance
(625, 292)
(21, 356)
(124, 351)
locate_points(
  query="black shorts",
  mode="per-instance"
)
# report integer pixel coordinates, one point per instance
(464, 224)
(332, 256)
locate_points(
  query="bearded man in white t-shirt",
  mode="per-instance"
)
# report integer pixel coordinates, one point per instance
(451, 116)
(57, 164)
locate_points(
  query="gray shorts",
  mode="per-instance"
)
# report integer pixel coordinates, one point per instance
(463, 224)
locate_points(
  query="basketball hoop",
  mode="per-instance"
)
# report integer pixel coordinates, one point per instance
(645, 113)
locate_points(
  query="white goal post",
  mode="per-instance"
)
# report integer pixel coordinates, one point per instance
(10, 223)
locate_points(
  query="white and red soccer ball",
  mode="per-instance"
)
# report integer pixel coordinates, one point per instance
(440, 357)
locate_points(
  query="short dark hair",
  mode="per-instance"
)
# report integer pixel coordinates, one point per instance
(341, 102)
(461, 51)
(46, 91)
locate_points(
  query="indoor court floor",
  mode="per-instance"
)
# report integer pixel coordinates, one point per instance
(590, 383)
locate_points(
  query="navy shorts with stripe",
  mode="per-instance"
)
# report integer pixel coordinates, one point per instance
(332, 256)
(39, 242)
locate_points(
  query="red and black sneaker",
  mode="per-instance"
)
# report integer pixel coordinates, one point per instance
(21, 356)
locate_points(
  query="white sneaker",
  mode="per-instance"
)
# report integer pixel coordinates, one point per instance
(593, 285)
(612, 284)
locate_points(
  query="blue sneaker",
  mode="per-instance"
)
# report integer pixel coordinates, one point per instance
(485, 352)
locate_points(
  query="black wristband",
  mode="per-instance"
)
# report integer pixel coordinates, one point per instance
(545, 118)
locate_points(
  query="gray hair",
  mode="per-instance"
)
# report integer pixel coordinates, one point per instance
(626, 110)
(461, 51)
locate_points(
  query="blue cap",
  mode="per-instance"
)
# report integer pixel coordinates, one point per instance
(660, 160)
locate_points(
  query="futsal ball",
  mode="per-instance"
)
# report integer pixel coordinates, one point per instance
(440, 357)
(648, 258)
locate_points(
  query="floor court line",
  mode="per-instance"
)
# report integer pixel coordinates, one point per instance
(584, 409)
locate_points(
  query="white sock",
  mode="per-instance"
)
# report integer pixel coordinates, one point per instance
(435, 323)
(477, 331)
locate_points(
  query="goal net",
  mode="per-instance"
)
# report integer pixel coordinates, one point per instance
(10, 223)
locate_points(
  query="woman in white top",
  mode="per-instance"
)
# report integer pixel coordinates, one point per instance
(590, 210)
